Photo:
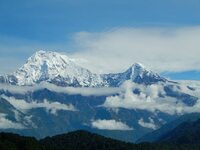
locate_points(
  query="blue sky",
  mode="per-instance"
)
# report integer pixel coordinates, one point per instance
(26, 26)
(54, 20)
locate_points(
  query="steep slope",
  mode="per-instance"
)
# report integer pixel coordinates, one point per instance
(186, 133)
(169, 127)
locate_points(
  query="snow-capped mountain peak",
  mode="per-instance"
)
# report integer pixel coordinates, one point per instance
(138, 65)
(54, 67)
(136, 73)
(140, 74)
(137, 69)
(50, 57)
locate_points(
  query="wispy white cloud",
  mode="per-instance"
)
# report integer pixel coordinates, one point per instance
(8, 124)
(161, 49)
(149, 124)
(51, 107)
(110, 125)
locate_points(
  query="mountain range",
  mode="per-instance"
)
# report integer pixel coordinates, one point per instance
(51, 94)
(60, 70)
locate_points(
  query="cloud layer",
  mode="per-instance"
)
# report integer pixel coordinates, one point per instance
(68, 90)
(110, 125)
(25, 106)
(123, 97)
(150, 100)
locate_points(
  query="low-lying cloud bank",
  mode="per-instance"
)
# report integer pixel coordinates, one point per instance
(110, 125)
(84, 91)
(149, 100)
(25, 106)
(8, 124)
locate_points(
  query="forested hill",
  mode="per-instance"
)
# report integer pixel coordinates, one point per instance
(80, 140)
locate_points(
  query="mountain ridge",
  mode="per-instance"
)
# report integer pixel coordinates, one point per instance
(168, 127)
(59, 69)
(81, 139)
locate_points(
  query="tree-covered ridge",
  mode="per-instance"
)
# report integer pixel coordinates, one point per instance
(11, 141)
(81, 140)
